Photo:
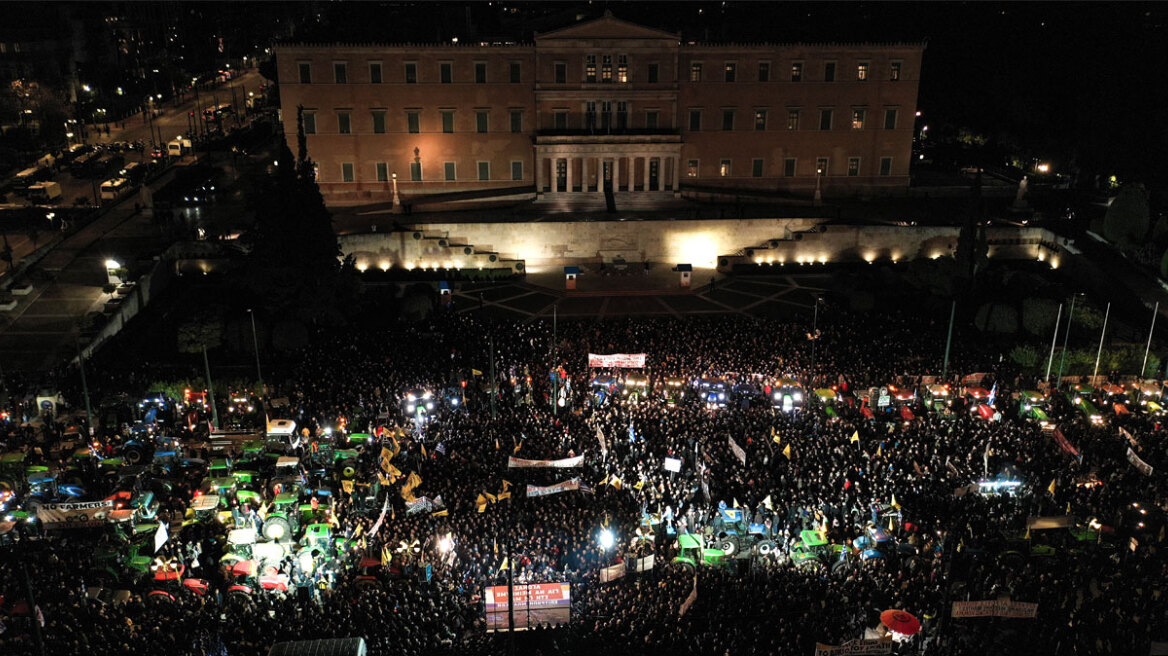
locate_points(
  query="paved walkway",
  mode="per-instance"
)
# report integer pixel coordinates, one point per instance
(764, 297)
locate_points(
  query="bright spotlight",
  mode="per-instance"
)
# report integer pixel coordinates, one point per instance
(445, 544)
(607, 539)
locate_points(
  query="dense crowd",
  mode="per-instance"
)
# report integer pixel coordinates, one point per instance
(803, 470)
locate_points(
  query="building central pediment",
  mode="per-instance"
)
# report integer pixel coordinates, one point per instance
(605, 27)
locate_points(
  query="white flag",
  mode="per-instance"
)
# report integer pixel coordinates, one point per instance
(160, 536)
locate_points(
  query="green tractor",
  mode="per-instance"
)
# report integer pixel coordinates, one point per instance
(827, 398)
(1033, 406)
(813, 547)
(692, 553)
(282, 520)
(1080, 399)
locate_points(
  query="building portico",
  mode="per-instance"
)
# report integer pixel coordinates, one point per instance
(569, 167)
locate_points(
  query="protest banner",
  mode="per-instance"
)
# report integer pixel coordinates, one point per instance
(859, 647)
(74, 515)
(994, 608)
(566, 486)
(562, 463)
(1141, 466)
(613, 573)
(617, 360)
(738, 452)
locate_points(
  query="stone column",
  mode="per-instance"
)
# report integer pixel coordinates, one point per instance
(616, 171)
(676, 174)
(554, 172)
(540, 162)
(600, 162)
(645, 173)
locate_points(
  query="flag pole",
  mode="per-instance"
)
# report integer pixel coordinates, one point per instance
(1066, 342)
(1099, 352)
(1053, 340)
(1151, 330)
(949, 340)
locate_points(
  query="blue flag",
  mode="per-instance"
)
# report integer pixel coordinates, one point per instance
(993, 394)
(632, 435)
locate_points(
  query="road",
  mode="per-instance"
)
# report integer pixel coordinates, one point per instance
(175, 121)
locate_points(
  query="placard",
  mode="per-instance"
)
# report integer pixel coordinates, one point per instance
(673, 465)
(617, 360)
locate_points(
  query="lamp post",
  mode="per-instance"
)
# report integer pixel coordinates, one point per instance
(814, 334)
(818, 193)
(1053, 340)
(948, 341)
(396, 201)
(1151, 330)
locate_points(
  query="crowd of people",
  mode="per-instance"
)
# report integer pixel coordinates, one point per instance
(798, 470)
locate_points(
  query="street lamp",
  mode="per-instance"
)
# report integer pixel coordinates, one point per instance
(256, 341)
(111, 267)
(818, 194)
(396, 200)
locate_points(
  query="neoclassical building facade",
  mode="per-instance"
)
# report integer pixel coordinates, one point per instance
(604, 109)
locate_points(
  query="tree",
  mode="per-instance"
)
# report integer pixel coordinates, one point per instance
(196, 334)
(1027, 358)
(1126, 220)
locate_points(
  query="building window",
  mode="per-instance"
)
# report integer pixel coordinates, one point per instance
(411, 73)
(796, 71)
(622, 115)
(821, 166)
(885, 166)
(515, 70)
(516, 121)
(309, 122)
(448, 170)
(695, 120)
(691, 168)
(731, 71)
(447, 122)
(695, 72)
(344, 125)
(724, 168)
(829, 72)
(789, 167)
(374, 72)
(760, 116)
(605, 114)
(622, 68)
(756, 167)
(561, 72)
(792, 119)
(894, 72)
(382, 172)
(416, 171)
(446, 73)
(890, 119)
(484, 170)
(480, 72)
(654, 73)
(517, 170)
(305, 72)
(340, 72)
(606, 68)
(764, 71)
(727, 120)
(560, 119)
(853, 166)
(379, 122)
(589, 68)
(825, 119)
(857, 119)
(347, 172)
(590, 114)
(413, 122)
(862, 71)
(480, 122)
(651, 118)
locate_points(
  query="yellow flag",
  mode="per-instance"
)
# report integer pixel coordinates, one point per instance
(481, 503)
(1051, 488)
(787, 452)
(767, 503)
(496, 444)
(616, 482)
(382, 479)
(856, 436)
(890, 523)
(476, 372)
(490, 497)
(386, 555)
(517, 447)
(879, 450)
(357, 532)
(441, 513)
(736, 505)
(603, 482)
(505, 564)
(347, 486)
(396, 445)
(504, 495)
(894, 503)
(507, 485)
(393, 472)
(424, 451)
(638, 485)
(495, 542)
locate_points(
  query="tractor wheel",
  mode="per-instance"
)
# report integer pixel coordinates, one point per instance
(766, 547)
(349, 472)
(277, 528)
(134, 454)
(728, 545)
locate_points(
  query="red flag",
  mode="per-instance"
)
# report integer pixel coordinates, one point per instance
(847, 484)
